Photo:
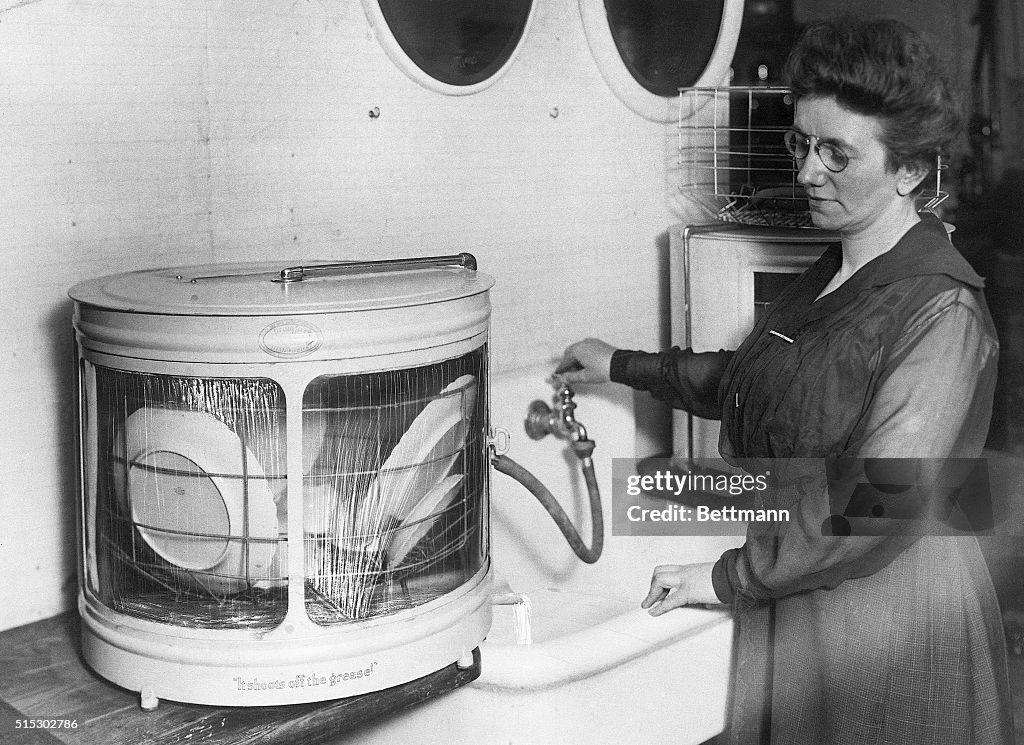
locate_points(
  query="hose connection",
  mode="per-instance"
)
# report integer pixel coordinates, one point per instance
(541, 421)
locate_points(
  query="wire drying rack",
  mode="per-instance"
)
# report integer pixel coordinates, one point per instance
(733, 163)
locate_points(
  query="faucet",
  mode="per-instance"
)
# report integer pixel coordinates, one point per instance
(542, 420)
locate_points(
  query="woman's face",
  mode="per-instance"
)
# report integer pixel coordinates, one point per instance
(864, 192)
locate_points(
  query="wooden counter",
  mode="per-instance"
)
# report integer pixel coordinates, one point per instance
(44, 678)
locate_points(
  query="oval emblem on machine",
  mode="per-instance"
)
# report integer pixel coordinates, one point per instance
(290, 339)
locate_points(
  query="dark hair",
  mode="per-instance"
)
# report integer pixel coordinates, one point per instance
(881, 68)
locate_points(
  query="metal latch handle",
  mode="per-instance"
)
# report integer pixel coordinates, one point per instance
(299, 273)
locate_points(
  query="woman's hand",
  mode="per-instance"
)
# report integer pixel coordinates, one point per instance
(587, 361)
(676, 585)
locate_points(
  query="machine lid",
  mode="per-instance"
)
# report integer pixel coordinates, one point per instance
(271, 288)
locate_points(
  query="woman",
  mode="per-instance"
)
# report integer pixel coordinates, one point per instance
(883, 349)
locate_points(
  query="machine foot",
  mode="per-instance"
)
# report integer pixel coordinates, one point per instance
(148, 700)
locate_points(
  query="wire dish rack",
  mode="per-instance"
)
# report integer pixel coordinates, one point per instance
(733, 163)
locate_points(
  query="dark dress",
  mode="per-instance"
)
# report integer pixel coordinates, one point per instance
(865, 639)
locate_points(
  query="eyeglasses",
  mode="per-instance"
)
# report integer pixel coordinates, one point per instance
(799, 146)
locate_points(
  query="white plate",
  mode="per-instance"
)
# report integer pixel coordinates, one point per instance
(423, 455)
(422, 516)
(186, 494)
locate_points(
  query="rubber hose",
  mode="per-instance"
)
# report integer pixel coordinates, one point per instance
(588, 555)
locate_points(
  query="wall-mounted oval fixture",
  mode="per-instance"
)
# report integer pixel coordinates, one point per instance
(454, 47)
(647, 49)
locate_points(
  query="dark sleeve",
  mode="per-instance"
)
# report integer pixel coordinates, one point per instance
(932, 403)
(681, 377)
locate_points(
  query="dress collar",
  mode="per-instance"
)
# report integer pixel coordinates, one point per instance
(923, 250)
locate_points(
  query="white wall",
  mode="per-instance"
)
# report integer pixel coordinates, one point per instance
(143, 133)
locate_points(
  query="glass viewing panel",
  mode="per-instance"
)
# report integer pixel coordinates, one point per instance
(185, 514)
(395, 474)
